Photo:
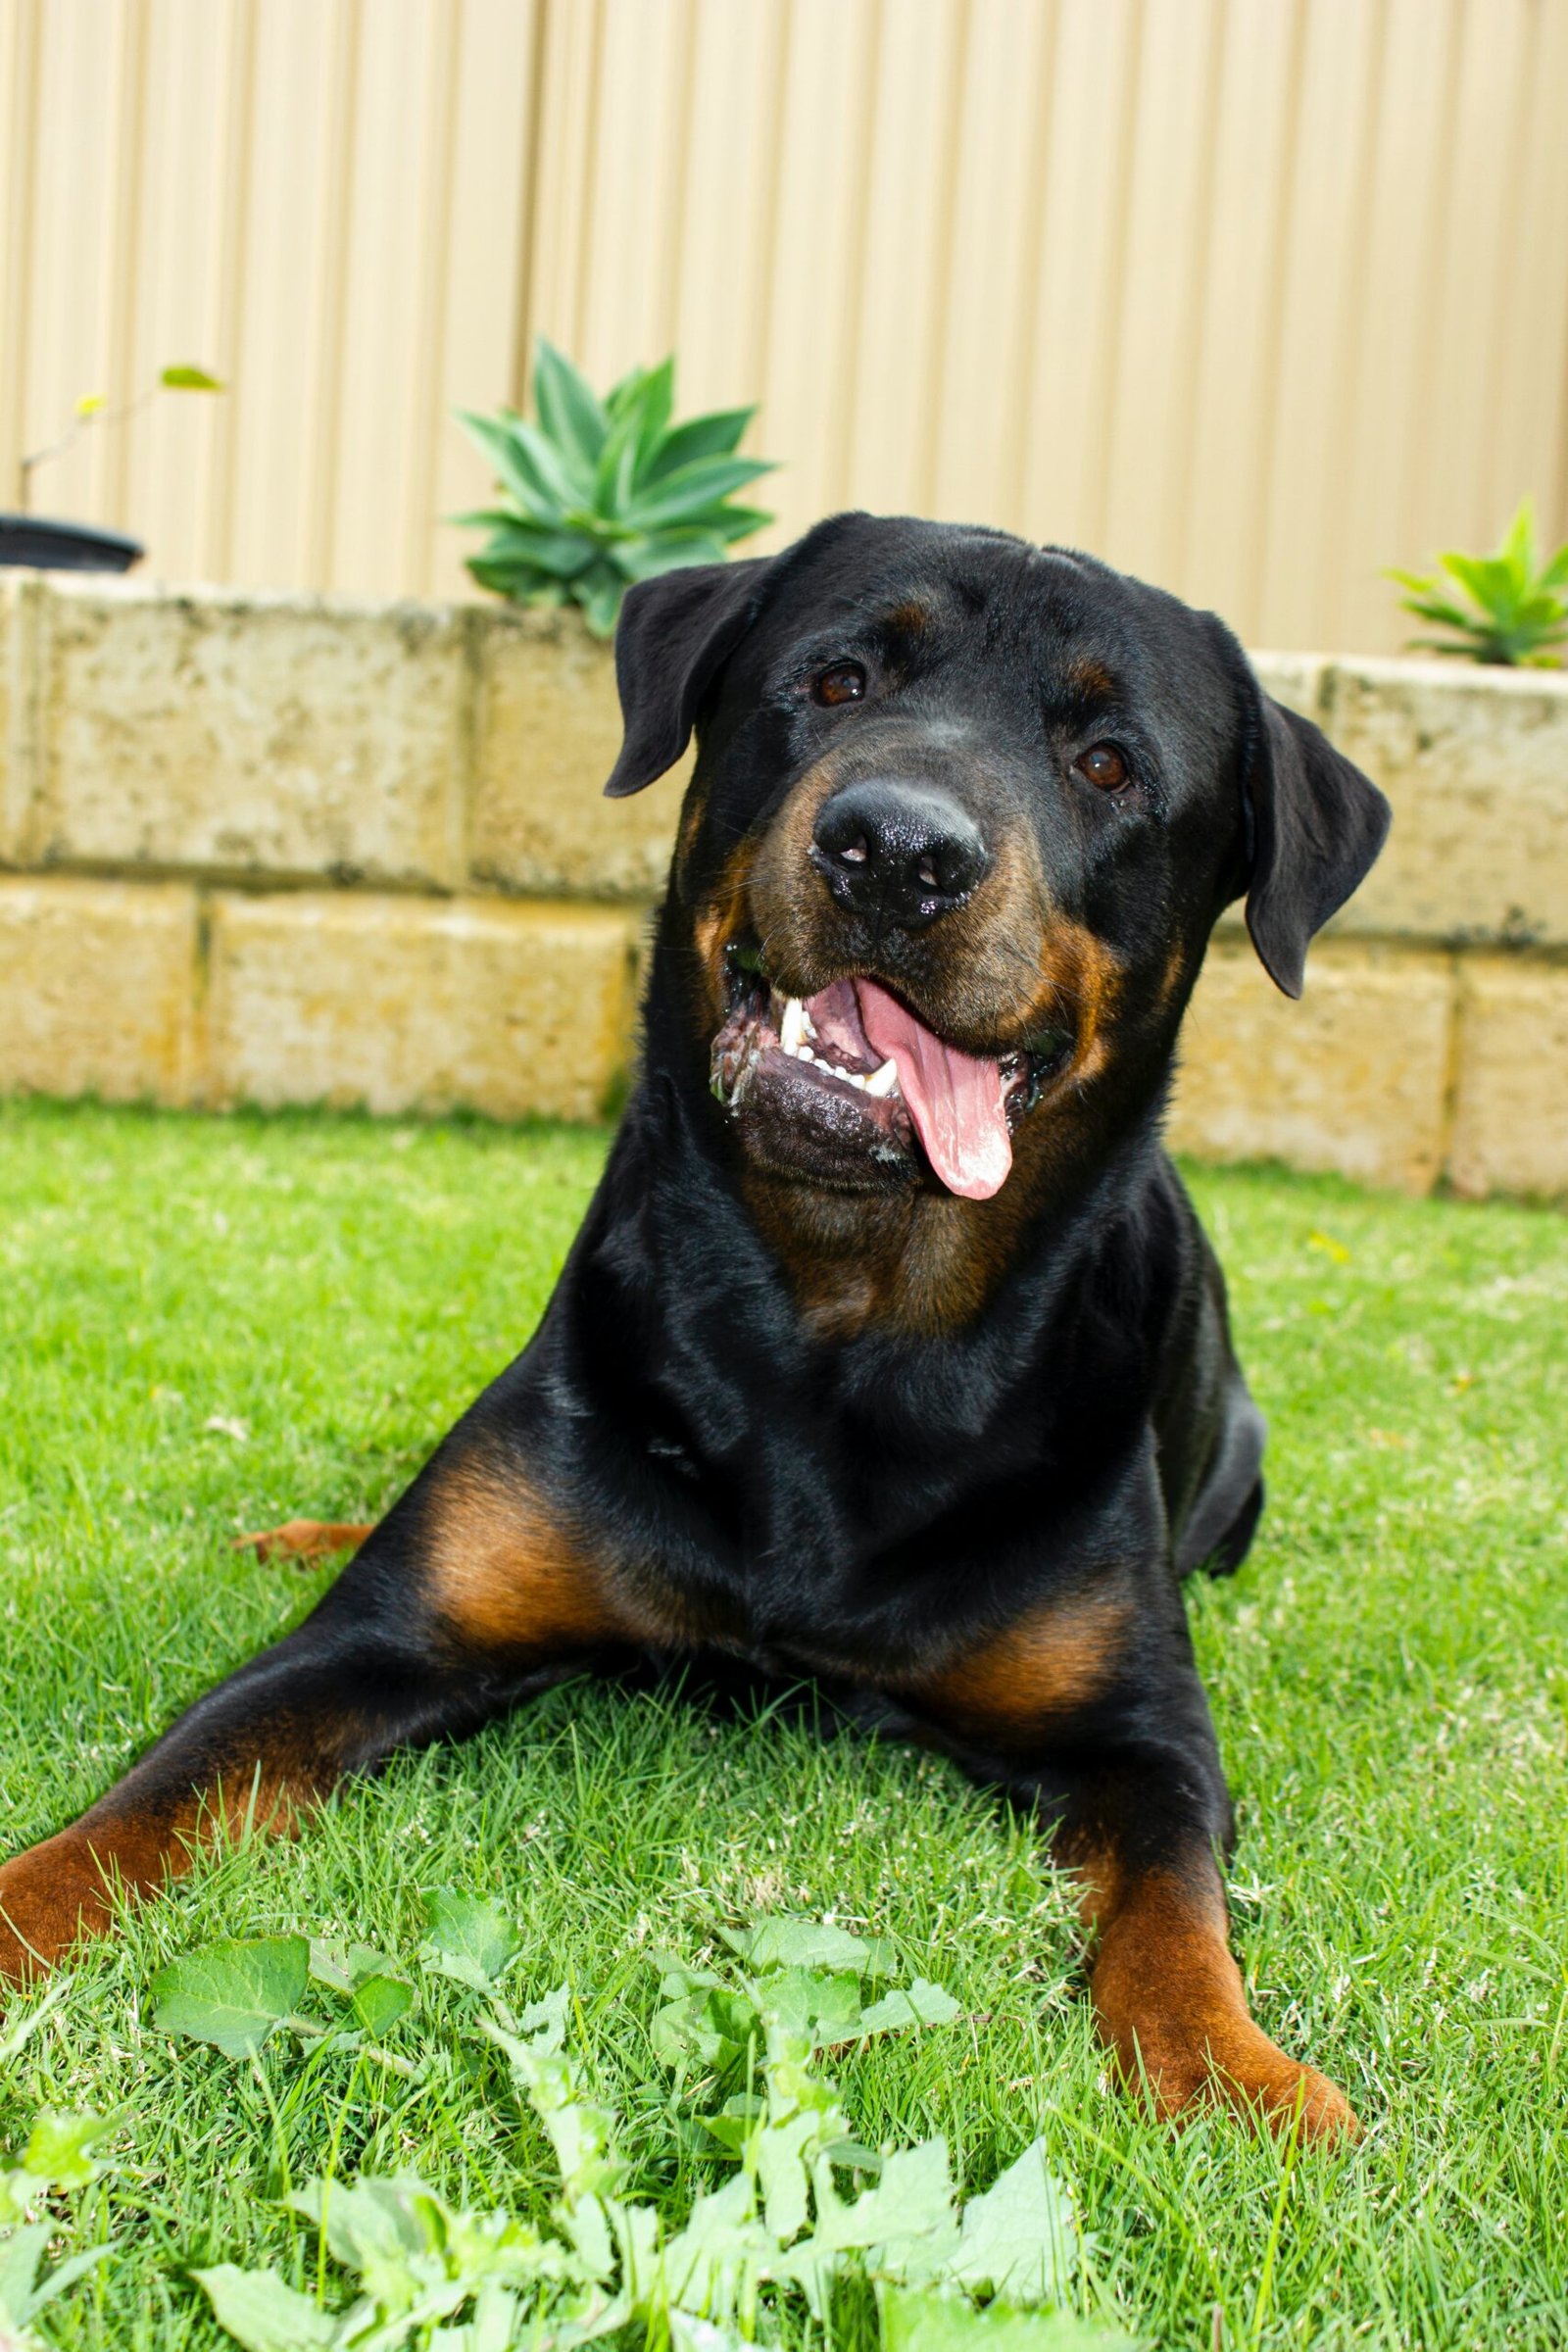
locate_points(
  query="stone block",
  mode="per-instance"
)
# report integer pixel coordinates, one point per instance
(10, 813)
(99, 989)
(548, 734)
(1300, 681)
(239, 734)
(1352, 1078)
(404, 1004)
(1475, 762)
(1511, 1117)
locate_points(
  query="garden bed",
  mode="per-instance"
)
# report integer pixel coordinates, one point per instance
(211, 1325)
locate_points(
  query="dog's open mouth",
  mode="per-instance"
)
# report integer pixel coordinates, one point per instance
(862, 1074)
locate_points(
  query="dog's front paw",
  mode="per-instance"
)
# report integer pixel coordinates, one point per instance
(1176, 2021)
(1187, 2064)
(49, 1896)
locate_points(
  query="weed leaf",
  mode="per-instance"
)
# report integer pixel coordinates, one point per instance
(916, 2323)
(263, 2313)
(468, 1939)
(380, 2001)
(1018, 2241)
(340, 1965)
(775, 1942)
(232, 1993)
(921, 2003)
(58, 2144)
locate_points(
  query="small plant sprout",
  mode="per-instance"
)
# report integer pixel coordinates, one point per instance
(1498, 609)
(598, 494)
(93, 409)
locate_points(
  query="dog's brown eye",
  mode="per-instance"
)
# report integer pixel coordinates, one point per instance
(844, 682)
(1103, 765)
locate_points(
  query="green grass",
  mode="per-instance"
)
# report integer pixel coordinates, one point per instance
(205, 1326)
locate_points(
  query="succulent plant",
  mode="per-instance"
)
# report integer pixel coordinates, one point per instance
(597, 494)
(1517, 609)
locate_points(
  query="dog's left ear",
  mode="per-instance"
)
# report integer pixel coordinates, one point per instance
(1316, 825)
(675, 634)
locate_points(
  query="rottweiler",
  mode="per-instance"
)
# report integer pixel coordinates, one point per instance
(890, 1353)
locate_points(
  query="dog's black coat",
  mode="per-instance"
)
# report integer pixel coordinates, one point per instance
(880, 1500)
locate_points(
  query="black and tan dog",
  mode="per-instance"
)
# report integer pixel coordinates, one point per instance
(891, 1352)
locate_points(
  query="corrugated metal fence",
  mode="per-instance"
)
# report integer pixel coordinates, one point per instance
(1253, 296)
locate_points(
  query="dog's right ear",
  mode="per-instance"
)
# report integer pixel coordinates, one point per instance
(675, 634)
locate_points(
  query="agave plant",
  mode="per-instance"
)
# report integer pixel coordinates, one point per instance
(598, 494)
(1515, 613)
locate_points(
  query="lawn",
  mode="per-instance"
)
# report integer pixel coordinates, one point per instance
(212, 1325)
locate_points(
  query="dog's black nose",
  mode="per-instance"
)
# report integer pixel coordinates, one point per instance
(903, 852)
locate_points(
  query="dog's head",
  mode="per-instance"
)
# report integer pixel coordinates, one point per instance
(963, 814)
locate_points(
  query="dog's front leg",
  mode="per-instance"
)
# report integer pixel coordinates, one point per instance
(1092, 1714)
(1168, 1996)
(471, 1595)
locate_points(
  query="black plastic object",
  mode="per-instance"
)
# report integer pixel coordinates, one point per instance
(46, 546)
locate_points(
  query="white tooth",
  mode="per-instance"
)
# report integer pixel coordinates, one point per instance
(884, 1080)
(855, 1079)
(838, 1073)
(792, 1028)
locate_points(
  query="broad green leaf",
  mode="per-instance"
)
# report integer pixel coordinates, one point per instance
(232, 1993)
(599, 592)
(913, 2199)
(822, 2008)
(1018, 2241)
(380, 2001)
(654, 405)
(340, 1965)
(495, 2324)
(562, 554)
(780, 1942)
(1518, 547)
(688, 496)
(522, 582)
(612, 480)
(262, 2312)
(467, 1939)
(57, 2149)
(733, 523)
(643, 558)
(711, 2026)
(623, 399)
(921, 2003)
(677, 1977)
(779, 2153)
(20, 2256)
(711, 2263)
(567, 410)
(190, 380)
(386, 2229)
(542, 498)
(581, 2132)
(716, 436)
(928, 2322)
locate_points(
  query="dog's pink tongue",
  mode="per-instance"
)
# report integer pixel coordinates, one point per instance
(954, 1099)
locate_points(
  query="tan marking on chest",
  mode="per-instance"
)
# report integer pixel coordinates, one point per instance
(505, 1572)
(1046, 1665)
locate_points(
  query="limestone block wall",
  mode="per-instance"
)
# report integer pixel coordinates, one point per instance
(274, 848)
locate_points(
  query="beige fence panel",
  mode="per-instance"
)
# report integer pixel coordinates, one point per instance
(1253, 296)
